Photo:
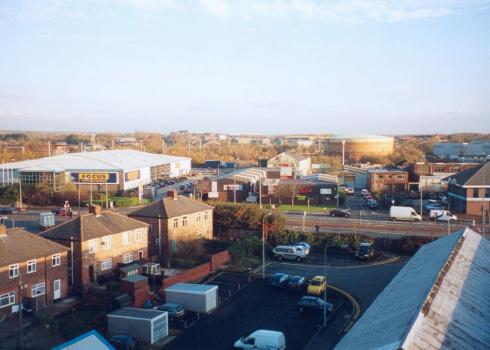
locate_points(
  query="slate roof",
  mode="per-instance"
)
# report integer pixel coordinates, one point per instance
(473, 176)
(296, 156)
(439, 300)
(90, 340)
(19, 246)
(90, 226)
(168, 207)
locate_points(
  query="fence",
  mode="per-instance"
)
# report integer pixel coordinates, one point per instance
(216, 261)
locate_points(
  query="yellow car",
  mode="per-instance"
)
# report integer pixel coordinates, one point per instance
(317, 285)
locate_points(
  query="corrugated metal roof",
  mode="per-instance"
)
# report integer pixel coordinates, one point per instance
(191, 288)
(439, 300)
(133, 312)
(111, 160)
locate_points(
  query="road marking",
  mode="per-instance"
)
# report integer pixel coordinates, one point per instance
(355, 304)
(376, 263)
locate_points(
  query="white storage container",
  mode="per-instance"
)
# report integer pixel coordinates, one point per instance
(147, 326)
(193, 297)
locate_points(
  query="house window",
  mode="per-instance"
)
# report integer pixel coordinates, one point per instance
(176, 223)
(125, 238)
(139, 235)
(184, 221)
(400, 177)
(140, 254)
(475, 193)
(31, 266)
(106, 242)
(198, 218)
(7, 299)
(106, 264)
(206, 215)
(380, 176)
(56, 260)
(13, 270)
(38, 289)
(487, 192)
(127, 258)
(92, 246)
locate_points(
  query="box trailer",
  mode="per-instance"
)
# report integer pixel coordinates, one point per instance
(147, 326)
(193, 297)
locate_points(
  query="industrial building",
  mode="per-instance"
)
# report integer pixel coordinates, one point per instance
(116, 170)
(448, 150)
(354, 148)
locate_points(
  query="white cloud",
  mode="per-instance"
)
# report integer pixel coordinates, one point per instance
(221, 8)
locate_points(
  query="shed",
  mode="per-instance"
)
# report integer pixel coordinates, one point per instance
(193, 297)
(147, 326)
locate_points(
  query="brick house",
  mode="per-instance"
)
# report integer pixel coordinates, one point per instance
(33, 264)
(175, 218)
(387, 180)
(469, 191)
(434, 169)
(100, 241)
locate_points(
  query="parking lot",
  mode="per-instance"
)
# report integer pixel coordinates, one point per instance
(257, 306)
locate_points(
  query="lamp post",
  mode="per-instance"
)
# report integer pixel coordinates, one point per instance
(263, 243)
(325, 291)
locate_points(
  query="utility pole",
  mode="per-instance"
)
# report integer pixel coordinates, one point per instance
(325, 291)
(260, 192)
(21, 323)
(234, 182)
(189, 146)
(421, 199)
(49, 148)
(163, 147)
(343, 152)
(263, 243)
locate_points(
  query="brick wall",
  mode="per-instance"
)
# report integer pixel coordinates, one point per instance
(216, 261)
(45, 273)
(115, 254)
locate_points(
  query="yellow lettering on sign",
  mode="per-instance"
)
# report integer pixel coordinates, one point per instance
(94, 176)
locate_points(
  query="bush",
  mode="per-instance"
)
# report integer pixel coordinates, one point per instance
(246, 217)
(189, 254)
(245, 254)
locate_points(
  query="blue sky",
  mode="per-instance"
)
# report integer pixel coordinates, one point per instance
(245, 66)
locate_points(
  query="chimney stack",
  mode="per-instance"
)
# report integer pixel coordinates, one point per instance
(173, 194)
(95, 209)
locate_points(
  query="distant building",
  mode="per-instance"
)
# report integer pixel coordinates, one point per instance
(437, 169)
(120, 170)
(437, 301)
(469, 190)
(387, 180)
(35, 263)
(292, 164)
(175, 218)
(100, 241)
(475, 149)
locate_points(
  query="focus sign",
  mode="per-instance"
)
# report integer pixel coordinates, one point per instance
(94, 178)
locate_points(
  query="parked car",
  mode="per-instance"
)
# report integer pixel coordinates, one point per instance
(123, 342)
(174, 310)
(279, 280)
(365, 251)
(340, 213)
(8, 210)
(442, 215)
(313, 303)
(404, 214)
(287, 252)
(297, 284)
(434, 206)
(349, 190)
(262, 339)
(372, 204)
(305, 245)
(317, 285)
(364, 191)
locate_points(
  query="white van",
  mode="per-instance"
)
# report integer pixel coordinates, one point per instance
(442, 215)
(289, 252)
(404, 213)
(262, 340)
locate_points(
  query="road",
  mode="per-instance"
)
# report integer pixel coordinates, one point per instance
(365, 221)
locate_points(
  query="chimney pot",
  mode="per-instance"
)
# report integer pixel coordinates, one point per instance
(173, 194)
(95, 209)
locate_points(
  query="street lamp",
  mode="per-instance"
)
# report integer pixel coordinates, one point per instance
(263, 243)
(325, 291)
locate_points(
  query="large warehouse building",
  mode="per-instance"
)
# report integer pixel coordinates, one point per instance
(118, 169)
(356, 147)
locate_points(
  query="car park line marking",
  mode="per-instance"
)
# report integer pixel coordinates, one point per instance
(355, 305)
(387, 261)
(259, 268)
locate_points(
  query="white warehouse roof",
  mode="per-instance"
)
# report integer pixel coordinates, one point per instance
(111, 160)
